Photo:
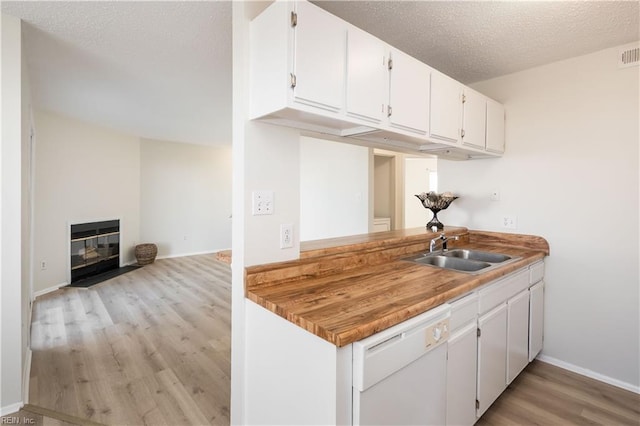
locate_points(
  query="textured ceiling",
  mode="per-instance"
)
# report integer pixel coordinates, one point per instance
(159, 70)
(162, 70)
(476, 40)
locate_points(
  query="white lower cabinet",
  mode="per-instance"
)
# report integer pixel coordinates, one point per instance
(536, 313)
(461, 376)
(517, 334)
(495, 332)
(492, 357)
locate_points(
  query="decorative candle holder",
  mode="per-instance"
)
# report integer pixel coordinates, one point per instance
(435, 202)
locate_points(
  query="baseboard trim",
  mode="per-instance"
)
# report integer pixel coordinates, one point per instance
(171, 256)
(589, 373)
(48, 290)
(10, 409)
(26, 375)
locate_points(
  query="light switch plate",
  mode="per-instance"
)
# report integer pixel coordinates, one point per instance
(262, 202)
(510, 222)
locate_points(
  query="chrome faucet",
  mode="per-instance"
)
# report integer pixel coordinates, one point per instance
(444, 239)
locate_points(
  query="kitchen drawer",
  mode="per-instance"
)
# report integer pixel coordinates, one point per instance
(463, 311)
(501, 290)
(536, 272)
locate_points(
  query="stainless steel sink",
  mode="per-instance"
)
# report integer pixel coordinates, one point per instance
(455, 263)
(483, 256)
(463, 260)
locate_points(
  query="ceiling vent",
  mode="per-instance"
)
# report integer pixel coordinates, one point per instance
(629, 55)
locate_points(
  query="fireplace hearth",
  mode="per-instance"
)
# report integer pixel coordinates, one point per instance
(95, 248)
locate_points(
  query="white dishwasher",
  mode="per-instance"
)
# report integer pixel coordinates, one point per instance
(400, 374)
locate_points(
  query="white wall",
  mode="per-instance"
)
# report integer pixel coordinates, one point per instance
(570, 174)
(26, 219)
(82, 173)
(185, 203)
(334, 200)
(416, 181)
(11, 307)
(265, 157)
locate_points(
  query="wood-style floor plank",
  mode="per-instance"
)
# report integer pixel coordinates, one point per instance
(152, 347)
(547, 395)
(148, 347)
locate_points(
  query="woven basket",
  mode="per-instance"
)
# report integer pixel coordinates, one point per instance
(146, 253)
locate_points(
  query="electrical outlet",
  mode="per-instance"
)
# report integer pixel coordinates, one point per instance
(286, 235)
(510, 222)
(43, 265)
(495, 195)
(262, 202)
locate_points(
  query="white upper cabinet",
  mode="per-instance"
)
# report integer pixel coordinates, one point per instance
(474, 118)
(446, 108)
(319, 57)
(367, 88)
(408, 93)
(495, 127)
(311, 70)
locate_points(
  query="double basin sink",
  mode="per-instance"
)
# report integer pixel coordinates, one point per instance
(463, 260)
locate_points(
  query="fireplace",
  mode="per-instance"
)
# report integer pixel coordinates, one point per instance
(95, 248)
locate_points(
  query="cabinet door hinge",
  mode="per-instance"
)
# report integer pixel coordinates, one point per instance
(389, 111)
(293, 80)
(294, 19)
(464, 98)
(477, 404)
(462, 133)
(390, 64)
(479, 332)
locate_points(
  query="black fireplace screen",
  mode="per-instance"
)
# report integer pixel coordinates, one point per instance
(95, 248)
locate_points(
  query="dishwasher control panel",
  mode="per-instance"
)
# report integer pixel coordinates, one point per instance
(436, 333)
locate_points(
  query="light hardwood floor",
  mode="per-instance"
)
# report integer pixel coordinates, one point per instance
(547, 395)
(151, 346)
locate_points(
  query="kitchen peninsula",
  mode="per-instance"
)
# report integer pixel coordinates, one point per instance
(343, 290)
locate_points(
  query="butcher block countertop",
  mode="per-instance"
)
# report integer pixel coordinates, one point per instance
(346, 289)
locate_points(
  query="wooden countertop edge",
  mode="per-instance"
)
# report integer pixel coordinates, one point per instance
(367, 329)
(530, 242)
(261, 278)
(372, 241)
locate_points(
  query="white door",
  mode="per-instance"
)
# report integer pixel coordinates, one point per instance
(495, 127)
(474, 119)
(492, 357)
(517, 334)
(536, 321)
(409, 93)
(319, 58)
(461, 376)
(367, 87)
(446, 108)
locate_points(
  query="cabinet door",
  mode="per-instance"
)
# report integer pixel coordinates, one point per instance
(446, 108)
(461, 376)
(366, 76)
(536, 322)
(517, 334)
(408, 93)
(492, 357)
(319, 58)
(474, 119)
(495, 126)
